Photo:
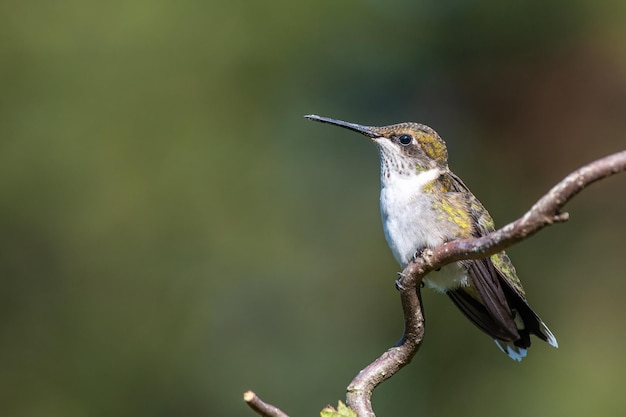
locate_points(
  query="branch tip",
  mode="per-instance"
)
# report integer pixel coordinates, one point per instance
(248, 396)
(561, 217)
(262, 408)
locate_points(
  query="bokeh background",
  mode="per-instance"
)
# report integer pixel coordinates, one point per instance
(173, 232)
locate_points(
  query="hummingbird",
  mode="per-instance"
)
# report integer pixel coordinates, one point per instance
(423, 205)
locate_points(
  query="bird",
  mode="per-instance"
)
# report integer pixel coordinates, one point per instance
(424, 204)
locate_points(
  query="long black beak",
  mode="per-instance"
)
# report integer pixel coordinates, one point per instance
(364, 130)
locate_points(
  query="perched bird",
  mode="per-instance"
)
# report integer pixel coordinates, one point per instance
(423, 204)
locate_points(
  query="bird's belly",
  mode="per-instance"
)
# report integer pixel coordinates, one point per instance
(410, 226)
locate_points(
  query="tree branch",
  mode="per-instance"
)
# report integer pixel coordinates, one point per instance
(545, 212)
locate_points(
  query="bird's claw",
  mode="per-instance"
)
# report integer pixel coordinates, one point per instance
(400, 286)
(418, 254)
(400, 282)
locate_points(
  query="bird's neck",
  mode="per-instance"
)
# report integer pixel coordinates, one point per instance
(410, 182)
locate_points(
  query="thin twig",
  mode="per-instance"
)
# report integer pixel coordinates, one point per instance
(261, 407)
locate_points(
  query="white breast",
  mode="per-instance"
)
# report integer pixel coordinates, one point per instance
(408, 217)
(410, 223)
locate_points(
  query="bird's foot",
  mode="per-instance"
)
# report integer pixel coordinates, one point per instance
(400, 281)
(418, 255)
(423, 254)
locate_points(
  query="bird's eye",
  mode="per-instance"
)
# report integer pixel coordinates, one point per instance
(405, 139)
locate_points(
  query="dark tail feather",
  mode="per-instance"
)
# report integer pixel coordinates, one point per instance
(502, 313)
(478, 314)
(532, 322)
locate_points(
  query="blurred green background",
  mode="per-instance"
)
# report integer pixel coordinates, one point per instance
(173, 232)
